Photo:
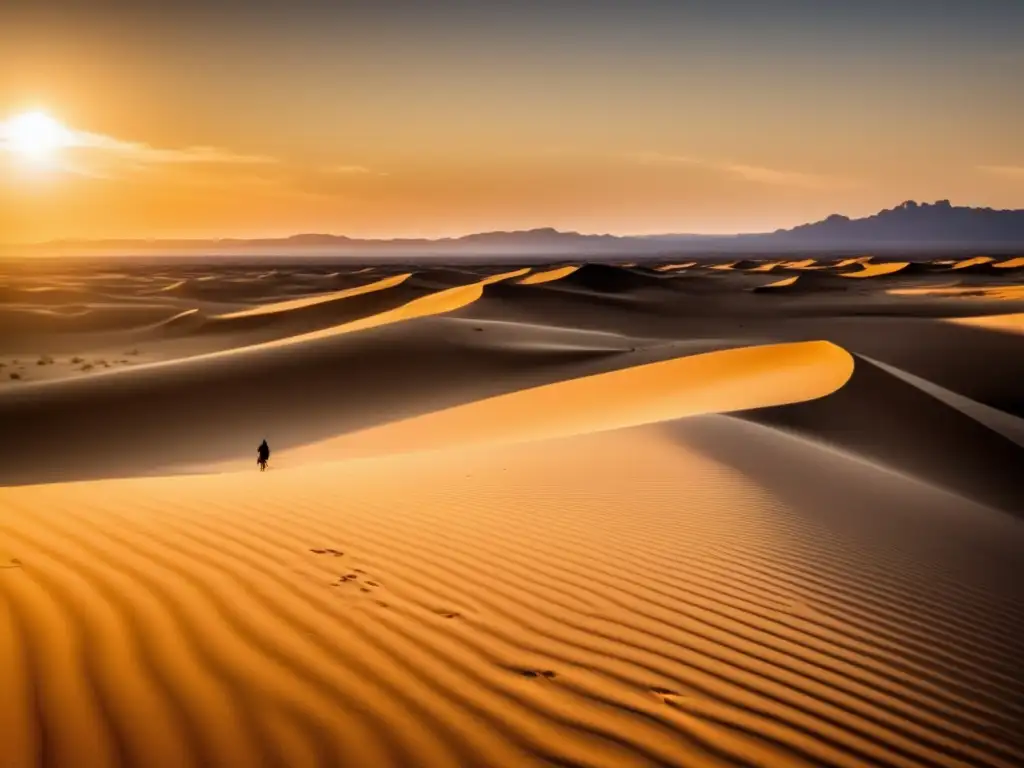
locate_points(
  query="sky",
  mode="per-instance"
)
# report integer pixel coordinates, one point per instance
(393, 119)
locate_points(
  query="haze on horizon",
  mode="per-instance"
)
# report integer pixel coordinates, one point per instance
(385, 120)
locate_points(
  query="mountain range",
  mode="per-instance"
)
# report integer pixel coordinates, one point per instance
(909, 227)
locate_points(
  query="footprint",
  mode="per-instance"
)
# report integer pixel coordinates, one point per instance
(667, 695)
(331, 552)
(546, 674)
(446, 614)
(372, 584)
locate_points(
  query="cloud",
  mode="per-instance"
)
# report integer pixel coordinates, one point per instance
(97, 155)
(145, 154)
(343, 170)
(753, 173)
(782, 178)
(1010, 171)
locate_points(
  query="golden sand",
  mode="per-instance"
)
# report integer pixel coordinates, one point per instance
(547, 276)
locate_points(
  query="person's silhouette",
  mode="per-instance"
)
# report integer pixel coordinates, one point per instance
(263, 455)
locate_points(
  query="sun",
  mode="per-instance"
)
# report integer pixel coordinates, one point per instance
(34, 135)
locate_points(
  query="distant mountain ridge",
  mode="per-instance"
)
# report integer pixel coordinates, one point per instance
(910, 226)
(911, 223)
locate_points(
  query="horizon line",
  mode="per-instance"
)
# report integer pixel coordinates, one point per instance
(464, 235)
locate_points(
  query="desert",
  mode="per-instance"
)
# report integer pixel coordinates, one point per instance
(690, 511)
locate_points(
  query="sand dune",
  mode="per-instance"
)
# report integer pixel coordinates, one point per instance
(494, 604)
(882, 418)
(1011, 323)
(610, 280)
(785, 282)
(672, 267)
(714, 382)
(877, 270)
(433, 304)
(1004, 292)
(308, 301)
(842, 263)
(972, 262)
(547, 276)
(610, 516)
(1005, 424)
(1017, 263)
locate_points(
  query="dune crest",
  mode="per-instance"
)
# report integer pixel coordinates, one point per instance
(309, 301)
(1009, 323)
(1005, 292)
(876, 270)
(548, 275)
(673, 267)
(440, 302)
(783, 283)
(713, 382)
(973, 262)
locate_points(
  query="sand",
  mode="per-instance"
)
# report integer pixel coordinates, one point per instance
(783, 283)
(1011, 323)
(876, 270)
(607, 516)
(547, 276)
(309, 301)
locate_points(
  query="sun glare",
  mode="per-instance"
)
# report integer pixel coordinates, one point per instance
(34, 135)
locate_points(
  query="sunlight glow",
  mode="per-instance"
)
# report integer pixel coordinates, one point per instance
(34, 135)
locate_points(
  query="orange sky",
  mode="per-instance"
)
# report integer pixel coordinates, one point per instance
(634, 118)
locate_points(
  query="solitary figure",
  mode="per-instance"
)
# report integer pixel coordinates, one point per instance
(263, 455)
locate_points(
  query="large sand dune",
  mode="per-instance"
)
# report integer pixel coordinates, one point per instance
(603, 516)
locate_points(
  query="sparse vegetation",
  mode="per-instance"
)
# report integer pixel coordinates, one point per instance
(45, 360)
(16, 376)
(86, 367)
(132, 352)
(76, 360)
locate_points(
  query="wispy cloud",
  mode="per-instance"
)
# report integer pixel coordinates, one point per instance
(93, 154)
(783, 178)
(345, 170)
(145, 154)
(1011, 171)
(753, 173)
